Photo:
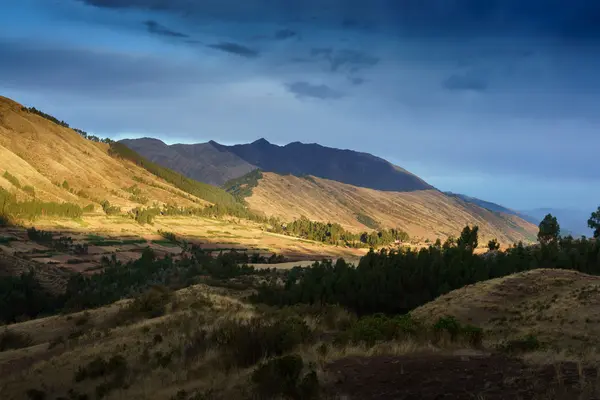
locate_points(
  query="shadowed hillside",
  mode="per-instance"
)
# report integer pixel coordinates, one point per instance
(203, 162)
(215, 163)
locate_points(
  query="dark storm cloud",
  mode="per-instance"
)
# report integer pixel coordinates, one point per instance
(574, 19)
(305, 89)
(30, 66)
(158, 29)
(236, 49)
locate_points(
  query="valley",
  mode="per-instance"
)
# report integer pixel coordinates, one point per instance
(248, 272)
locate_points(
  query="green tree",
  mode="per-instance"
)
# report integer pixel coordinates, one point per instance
(594, 223)
(493, 245)
(549, 230)
(469, 238)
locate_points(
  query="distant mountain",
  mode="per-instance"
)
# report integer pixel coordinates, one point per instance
(215, 163)
(358, 190)
(572, 221)
(495, 207)
(204, 162)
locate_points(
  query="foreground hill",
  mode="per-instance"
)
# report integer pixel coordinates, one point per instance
(426, 213)
(556, 306)
(208, 162)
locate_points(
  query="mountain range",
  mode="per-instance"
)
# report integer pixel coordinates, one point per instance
(358, 190)
(215, 163)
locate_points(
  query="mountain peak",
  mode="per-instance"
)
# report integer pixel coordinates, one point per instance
(261, 141)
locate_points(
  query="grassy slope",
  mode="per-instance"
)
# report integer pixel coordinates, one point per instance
(40, 153)
(426, 213)
(557, 306)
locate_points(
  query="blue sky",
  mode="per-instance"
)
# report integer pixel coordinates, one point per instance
(495, 99)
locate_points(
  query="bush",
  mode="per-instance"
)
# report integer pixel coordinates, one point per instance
(30, 190)
(89, 208)
(108, 209)
(150, 304)
(10, 340)
(378, 327)
(244, 343)
(12, 179)
(278, 376)
(448, 324)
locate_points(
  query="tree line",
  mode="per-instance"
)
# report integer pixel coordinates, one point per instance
(62, 123)
(31, 209)
(335, 234)
(398, 281)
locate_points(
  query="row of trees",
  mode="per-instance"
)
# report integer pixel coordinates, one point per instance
(62, 123)
(335, 234)
(398, 281)
(10, 207)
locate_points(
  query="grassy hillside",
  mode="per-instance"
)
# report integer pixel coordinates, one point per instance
(214, 339)
(53, 163)
(428, 213)
(558, 307)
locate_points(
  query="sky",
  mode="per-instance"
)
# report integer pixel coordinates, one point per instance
(495, 99)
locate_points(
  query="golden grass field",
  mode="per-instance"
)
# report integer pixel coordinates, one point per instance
(425, 214)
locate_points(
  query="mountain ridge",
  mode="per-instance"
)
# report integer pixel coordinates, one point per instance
(296, 158)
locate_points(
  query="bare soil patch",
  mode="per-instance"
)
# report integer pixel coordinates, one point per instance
(436, 376)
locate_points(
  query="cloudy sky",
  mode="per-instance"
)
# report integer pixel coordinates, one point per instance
(496, 99)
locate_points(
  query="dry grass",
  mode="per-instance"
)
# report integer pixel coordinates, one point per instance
(426, 214)
(559, 307)
(40, 153)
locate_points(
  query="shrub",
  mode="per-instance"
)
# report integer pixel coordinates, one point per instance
(278, 376)
(108, 209)
(378, 327)
(246, 342)
(150, 304)
(448, 324)
(65, 185)
(30, 190)
(10, 340)
(89, 208)
(12, 179)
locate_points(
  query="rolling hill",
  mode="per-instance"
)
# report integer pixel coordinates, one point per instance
(429, 214)
(558, 306)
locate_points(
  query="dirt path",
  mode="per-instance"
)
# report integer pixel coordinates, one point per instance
(455, 377)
